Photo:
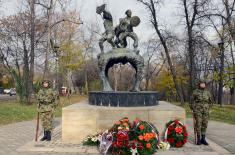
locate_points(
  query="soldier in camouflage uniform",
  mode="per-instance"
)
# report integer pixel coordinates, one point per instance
(47, 102)
(200, 105)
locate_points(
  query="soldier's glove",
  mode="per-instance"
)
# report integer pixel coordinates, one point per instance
(210, 111)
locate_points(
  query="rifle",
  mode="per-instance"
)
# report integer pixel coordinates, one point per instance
(37, 128)
(195, 132)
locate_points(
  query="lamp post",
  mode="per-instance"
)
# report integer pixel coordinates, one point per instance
(220, 93)
(55, 50)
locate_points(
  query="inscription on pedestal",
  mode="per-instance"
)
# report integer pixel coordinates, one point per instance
(123, 98)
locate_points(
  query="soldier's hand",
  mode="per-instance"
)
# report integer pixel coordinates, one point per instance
(210, 111)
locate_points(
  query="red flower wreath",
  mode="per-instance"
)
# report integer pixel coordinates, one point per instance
(176, 133)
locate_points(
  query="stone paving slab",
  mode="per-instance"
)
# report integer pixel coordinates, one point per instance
(222, 134)
(56, 146)
(17, 139)
(217, 148)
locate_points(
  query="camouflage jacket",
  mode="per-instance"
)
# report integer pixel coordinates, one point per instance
(47, 100)
(201, 100)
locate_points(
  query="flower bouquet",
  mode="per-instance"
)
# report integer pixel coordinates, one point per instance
(139, 137)
(92, 140)
(147, 137)
(125, 138)
(176, 133)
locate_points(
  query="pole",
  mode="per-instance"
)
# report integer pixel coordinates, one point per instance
(194, 129)
(37, 128)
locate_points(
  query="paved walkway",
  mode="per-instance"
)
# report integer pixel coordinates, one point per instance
(17, 139)
(223, 134)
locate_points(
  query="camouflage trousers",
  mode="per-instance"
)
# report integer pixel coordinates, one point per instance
(201, 119)
(46, 119)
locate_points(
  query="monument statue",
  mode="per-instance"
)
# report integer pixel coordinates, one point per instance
(117, 37)
(125, 29)
(108, 35)
(121, 32)
(119, 54)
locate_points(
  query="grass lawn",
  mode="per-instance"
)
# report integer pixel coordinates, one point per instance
(13, 111)
(223, 114)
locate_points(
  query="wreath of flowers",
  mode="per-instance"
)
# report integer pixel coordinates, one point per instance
(176, 133)
(147, 137)
(139, 137)
(120, 132)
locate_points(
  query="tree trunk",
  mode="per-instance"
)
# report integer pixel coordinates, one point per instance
(32, 44)
(232, 96)
(220, 92)
(46, 70)
(192, 67)
(232, 34)
(26, 74)
(86, 79)
(172, 69)
(151, 6)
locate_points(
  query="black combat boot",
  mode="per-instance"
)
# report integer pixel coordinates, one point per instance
(48, 136)
(199, 140)
(203, 140)
(44, 136)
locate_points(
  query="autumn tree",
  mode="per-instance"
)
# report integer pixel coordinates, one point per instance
(152, 6)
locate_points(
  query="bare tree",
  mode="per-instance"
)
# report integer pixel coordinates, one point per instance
(155, 60)
(152, 7)
(220, 17)
(15, 51)
(193, 21)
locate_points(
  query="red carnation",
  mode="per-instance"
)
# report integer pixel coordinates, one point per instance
(114, 144)
(168, 132)
(176, 122)
(178, 130)
(141, 127)
(119, 144)
(170, 140)
(119, 138)
(136, 121)
(133, 146)
(170, 128)
(178, 144)
(185, 134)
(140, 147)
(185, 141)
(125, 137)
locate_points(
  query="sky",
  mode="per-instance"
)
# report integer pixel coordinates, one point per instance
(168, 13)
(118, 8)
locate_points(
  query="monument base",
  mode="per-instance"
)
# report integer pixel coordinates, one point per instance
(123, 98)
(82, 119)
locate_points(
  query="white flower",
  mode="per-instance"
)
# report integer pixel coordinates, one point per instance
(164, 146)
(119, 128)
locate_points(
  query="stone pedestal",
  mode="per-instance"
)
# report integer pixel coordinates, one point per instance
(123, 98)
(81, 119)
